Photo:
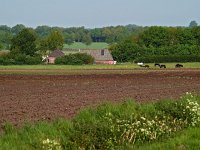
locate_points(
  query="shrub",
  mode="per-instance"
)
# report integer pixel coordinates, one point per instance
(68, 60)
(85, 58)
(6, 61)
(75, 59)
(33, 60)
(20, 59)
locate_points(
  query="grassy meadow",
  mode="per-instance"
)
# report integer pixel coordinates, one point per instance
(87, 69)
(98, 66)
(162, 125)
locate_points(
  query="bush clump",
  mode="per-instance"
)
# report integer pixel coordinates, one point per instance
(75, 59)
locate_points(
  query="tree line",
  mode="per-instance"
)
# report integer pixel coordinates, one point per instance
(147, 44)
(160, 44)
(109, 34)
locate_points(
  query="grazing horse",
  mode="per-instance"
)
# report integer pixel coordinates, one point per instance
(145, 66)
(162, 66)
(178, 66)
(157, 65)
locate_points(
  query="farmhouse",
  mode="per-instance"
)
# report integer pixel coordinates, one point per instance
(101, 56)
(52, 56)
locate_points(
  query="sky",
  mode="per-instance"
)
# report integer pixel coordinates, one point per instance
(99, 13)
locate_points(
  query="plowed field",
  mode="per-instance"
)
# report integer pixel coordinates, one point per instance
(46, 97)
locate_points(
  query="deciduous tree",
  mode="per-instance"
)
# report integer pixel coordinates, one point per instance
(87, 39)
(18, 28)
(193, 24)
(24, 42)
(55, 40)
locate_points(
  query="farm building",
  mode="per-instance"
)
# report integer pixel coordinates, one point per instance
(101, 56)
(52, 56)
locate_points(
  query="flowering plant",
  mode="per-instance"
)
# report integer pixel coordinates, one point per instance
(51, 145)
(170, 118)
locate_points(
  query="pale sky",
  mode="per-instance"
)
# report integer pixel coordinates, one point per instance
(99, 13)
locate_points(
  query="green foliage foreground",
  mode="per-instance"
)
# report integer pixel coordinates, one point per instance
(160, 125)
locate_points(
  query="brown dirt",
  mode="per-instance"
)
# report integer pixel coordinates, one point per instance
(46, 97)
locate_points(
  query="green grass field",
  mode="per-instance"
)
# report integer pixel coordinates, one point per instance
(122, 66)
(125, 68)
(94, 45)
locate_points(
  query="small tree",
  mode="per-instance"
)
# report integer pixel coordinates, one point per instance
(87, 39)
(193, 24)
(55, 40)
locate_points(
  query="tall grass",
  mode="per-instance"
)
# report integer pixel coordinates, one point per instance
(160, 125)
(184, 140)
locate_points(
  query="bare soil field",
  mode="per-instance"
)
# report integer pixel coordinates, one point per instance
(46, 97)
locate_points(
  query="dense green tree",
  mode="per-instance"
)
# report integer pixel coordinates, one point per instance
(5, 38)
(125, 51)
(196, 34)
(24, 42)
(185, 36)
(96, 35)
(68, 38)
(18, 28)
(173, 40)
(55, 40)
(193, 24)
(5, 28)
(108, 34)
(43, 31)
(155, 36)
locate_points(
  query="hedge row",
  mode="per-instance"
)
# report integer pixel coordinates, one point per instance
(168, 58)
(20, 60)
(75, 59)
